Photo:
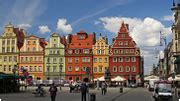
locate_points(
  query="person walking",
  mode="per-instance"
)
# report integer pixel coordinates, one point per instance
(53, 90)
(83, 91)
(103, 88)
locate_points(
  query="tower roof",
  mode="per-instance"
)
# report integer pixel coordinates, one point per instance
(9, 25)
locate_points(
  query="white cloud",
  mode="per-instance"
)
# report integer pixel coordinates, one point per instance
(145, 32)
(44, 29)
(24, 26)
(63, 27)
(140, 29)
(168, 18)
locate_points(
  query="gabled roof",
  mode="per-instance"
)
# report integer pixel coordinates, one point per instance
(123, 28)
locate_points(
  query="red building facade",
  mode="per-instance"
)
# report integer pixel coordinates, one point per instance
(124, 56)
(79, 55)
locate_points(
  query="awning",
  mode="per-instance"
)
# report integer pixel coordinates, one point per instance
(177, 61)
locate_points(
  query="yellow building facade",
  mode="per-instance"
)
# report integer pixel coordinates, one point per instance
(100, 57)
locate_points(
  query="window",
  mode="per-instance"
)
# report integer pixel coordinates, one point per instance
(77, 51)
(4, 67)
(29, 42)
(70, 51)
(86, 51)
(105, 60)
(95, 60)
(54, 60)
(120, 43)
(31, 58)
(3, 42)
(121, 69)
(127, 59)
(84, 69)
(133, 59)
(114, 59)
(9, 68)
(48, 69)
(50, 52)
(95, 69)
(8, 42)
(12, 49)
(115, 51)
(69, 60)
(76, 68)
(28, 49)
(54, 39)
(121, 51)
(76, 60)
(35, 69)
(10, 59)
(114, 69)
(61, 60)
(100, 60)
(86, 59)
(131, 51)
(126, 51)
(34, 49)
(34, 42)
(81, 37)
(5, 59)
(127, 69)
(100, 69)
(13, 42)
(98, 51)
(40, 58)
(57, 51)
(48, 60)
(3, 49)
(54, 68)
(26, 58)
(8, 49)
(120, 59)
(55, 45)
(126, 43)
(133, 68)
(15, 58)
(123, 35)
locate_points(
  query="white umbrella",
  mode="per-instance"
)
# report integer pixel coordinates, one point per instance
(177, 78)
(118, 78)
(100, 79)
(151, 77)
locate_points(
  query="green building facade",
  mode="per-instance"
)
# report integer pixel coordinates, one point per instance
(55, 58)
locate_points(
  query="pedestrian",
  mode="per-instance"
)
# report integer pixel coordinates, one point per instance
(53, 90)
(70, 87)
(103, 88)
(83, 91)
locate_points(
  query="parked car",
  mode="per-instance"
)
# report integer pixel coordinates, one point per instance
(162, 91)
(133, 85)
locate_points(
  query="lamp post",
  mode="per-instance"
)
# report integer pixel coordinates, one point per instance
(60, 71)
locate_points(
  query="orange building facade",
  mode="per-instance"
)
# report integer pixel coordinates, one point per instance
(79, 56)
(31, 56)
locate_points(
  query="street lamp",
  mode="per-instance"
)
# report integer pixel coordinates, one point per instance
(107, 76)
(60, 70)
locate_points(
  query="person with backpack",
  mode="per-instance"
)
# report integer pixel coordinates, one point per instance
(84, 89)
(53, 90)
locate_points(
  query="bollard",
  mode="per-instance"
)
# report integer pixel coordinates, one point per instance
(121, 89)
(92, 97)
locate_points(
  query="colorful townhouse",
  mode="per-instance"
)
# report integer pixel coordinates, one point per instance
(31, 57)
(124, 56)
(55, 58)
(79, 56)
(10, 43)
(100, 57)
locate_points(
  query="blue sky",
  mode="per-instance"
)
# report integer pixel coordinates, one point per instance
(41, 17)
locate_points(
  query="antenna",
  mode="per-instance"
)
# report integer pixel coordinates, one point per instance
(173, 3)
